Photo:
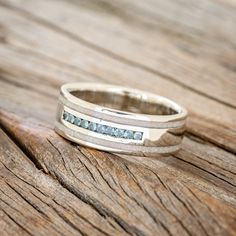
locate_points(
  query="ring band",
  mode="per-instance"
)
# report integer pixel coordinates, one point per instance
(119, 119)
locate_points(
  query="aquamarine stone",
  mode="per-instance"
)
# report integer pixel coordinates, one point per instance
(71, 118)
(113, 131)
(84, 124)
(92, 126)
(65, 115)
(109, 130)
(101, 129)
(119, 132)
(128, 134)
(77, 121)
(138, 135)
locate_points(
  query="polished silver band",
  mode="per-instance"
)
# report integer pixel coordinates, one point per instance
(119, 119)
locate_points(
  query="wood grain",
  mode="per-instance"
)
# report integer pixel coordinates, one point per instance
(35, 203)
(131, 191)
(184, 50)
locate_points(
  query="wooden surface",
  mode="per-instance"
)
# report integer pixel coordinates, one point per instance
(185, 50)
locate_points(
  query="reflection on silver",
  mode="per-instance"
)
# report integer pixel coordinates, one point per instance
(119, 119)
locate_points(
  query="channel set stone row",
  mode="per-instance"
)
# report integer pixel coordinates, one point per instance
(102, 129)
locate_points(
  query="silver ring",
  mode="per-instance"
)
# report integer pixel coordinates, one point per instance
(119, 119)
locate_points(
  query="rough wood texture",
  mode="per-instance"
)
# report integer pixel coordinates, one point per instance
(184, 50)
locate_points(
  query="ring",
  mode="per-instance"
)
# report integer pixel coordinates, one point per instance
(119, 119)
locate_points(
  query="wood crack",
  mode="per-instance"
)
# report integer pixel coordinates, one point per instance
(204, 170)
(154, 218)
(23, 149)
(27, 200)
(101, 209)
(17, 223)
(170, 212)
(203, 140)
(210, 210)
(90, 223)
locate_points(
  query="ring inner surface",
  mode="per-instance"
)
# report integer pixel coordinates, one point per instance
(125, 101)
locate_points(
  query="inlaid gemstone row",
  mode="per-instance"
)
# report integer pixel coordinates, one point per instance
(102, 129)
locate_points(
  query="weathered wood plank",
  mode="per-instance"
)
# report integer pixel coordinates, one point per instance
(55, 187)
(144, 198)
(180, 49)
(33, 203)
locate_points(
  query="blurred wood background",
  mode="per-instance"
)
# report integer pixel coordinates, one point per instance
(182, 49)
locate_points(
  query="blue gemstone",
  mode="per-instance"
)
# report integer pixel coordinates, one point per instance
(77, 121)
(113, 131)
(128, 134)
(119, 133)
(92, 126)
(101, 129)
(84, 124)
(109, 130)
(138, 135)
(65, 115)
(71, 118)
